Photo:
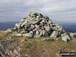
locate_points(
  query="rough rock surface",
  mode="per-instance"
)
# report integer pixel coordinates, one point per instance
(73, 35)
(66, 37)
(47, 39)
(36, 25)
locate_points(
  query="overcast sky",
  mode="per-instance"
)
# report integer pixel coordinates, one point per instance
(57, 10)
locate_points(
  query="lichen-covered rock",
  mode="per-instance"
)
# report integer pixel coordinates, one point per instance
(5, 43)
(4, 47)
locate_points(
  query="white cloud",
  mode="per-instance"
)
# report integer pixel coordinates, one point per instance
(51, 8)
(51, 5)
(58, 7)
(5, 1)
(38, 2)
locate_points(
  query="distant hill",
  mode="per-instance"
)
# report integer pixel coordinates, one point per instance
(70, 27)
(6, 25)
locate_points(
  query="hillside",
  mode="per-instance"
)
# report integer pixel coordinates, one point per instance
(24, 46)
(36, 36)
(70, 27)
(6, 25)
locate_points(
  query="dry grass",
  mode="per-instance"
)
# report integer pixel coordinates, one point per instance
(37, 48)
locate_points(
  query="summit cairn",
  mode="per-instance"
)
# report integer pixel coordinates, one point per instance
(36, 25)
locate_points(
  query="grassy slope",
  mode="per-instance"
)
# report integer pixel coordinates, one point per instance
(37, 48)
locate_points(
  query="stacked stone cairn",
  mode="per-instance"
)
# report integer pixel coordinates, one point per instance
(36, 25)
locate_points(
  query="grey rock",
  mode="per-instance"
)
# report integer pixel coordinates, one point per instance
(38, 34)
(23, 31)
(15, 51)
(5, 43)
(1, 54)
(10, 52)
(49, 22)
(44, 33)
(26, 55)
(7, 52)
(18, 34)
(66, 37)
(47, 28)
(54, 34)
(46, 39)
(17, 25)
(23, 20)
(36, 25)
(18, 48)
(8, 31)
(73, 35)
(2, 51)
(57, 27)
(30, 34)
(35, 14)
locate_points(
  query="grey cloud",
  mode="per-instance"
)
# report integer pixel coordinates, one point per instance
(57, 10)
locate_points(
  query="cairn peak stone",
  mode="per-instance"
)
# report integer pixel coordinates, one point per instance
(37, 25)
(35, 15)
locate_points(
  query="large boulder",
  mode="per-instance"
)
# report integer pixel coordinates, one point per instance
(73, 35)
(30, 34)
(38, 33)
(66, 37)
(54, 34)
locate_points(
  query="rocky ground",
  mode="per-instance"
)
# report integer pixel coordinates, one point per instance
(36, 36)
(37, 25)
(14, 46)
